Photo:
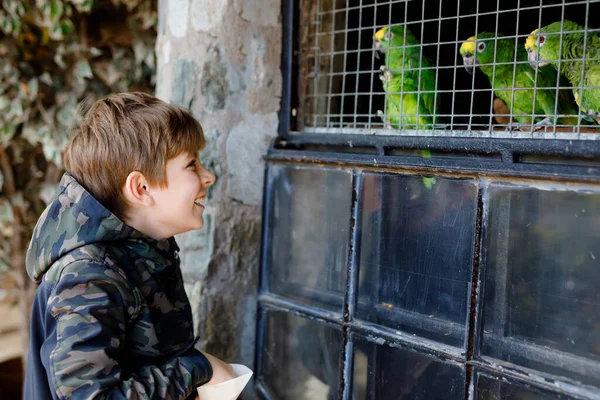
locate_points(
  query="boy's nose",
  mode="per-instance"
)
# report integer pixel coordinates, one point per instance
(207, 177)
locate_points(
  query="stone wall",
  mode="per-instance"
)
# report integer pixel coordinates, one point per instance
(221, 59)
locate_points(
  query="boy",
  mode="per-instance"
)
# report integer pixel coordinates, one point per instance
(110, 318)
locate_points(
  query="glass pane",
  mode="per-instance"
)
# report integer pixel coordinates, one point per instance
(309, 234)
(300, 358)
(542, 274)
(382, 372)
(416, 254)
(489, 388)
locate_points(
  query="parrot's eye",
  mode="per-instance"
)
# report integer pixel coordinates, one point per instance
(480, 47)
(389, 35)
(542, 40)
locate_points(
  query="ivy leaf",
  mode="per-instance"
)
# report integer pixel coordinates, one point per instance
(4, 102)
(83, 6)
(34, 88)
(7, 132)
(56, 11)
(66, 27)
(82, 71)
(67, 112)
(47, 79)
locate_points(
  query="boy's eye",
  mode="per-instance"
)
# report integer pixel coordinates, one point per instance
(192, 164)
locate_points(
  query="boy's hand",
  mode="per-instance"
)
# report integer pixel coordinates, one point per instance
(221, 370)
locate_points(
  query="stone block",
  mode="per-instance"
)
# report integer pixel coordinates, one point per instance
(177, 17)
(213, 82)
(184, 82)
(207, 15)
(263, 12)
(197, 248)
(246, 145)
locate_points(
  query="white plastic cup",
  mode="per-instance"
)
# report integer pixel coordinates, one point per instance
(228, 390)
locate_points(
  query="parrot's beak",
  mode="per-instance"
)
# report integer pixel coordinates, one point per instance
(469, 62)
(378, 46)
(535, 60)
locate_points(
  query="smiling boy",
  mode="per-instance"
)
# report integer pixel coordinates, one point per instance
(110, 318)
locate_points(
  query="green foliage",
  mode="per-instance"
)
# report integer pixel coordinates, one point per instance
(53, 55)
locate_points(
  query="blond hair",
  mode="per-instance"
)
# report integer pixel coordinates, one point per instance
(128, 132)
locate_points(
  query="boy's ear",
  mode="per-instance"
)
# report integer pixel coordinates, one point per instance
(136, 189)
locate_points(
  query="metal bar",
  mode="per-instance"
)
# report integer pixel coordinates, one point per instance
(382, 335)
(476, 301)
(541, 354)
(437, 63)
(455, 51)
(346, 30)
(331, 63)
(317, 60)
(585, 36)
(419, 99)
(473, 76)
(372, 67)
(474, 15)
(514, 76)
(588, 149)
(266, 228)
(351, 286)
(260, 332)
(357, 62)
(457, 133)
(287, 15)
(450, 42)
(263, 391)
(354, 246)
(275, 302)
(534, 380)
(463, 167)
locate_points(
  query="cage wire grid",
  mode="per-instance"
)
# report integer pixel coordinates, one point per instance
(346, 83)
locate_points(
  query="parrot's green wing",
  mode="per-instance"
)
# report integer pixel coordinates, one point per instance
(417, 85)
(546, 100)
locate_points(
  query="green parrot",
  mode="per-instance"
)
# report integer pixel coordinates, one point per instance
(400, 76)
(479, 51)
(543, 48)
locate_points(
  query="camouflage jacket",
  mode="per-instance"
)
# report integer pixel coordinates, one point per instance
(110, 318)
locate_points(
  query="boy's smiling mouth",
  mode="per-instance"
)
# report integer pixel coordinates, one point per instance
(199, 200)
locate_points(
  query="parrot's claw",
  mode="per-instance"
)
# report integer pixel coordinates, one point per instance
(385, 74)
(542, 124)
(381, 115)
(592, 114)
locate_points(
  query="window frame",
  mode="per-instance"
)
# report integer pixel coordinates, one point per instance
(481, 158)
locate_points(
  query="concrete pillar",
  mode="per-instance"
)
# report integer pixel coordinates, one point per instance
(221, 59)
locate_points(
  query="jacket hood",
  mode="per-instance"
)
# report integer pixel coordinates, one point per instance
(74, 219)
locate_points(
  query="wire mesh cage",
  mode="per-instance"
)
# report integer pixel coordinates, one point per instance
(504, 68)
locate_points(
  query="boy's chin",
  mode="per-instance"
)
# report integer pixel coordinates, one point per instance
(198, 224)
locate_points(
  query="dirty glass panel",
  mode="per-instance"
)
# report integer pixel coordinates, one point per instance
(489, 388)
(542, 274)
(300, 358)
(416, 254)
(382, 372)
(309, 234)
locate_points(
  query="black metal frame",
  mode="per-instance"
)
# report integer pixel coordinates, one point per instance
(287, 154)
(573, 161)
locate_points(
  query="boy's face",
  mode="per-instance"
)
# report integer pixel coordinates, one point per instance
(177, 207)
